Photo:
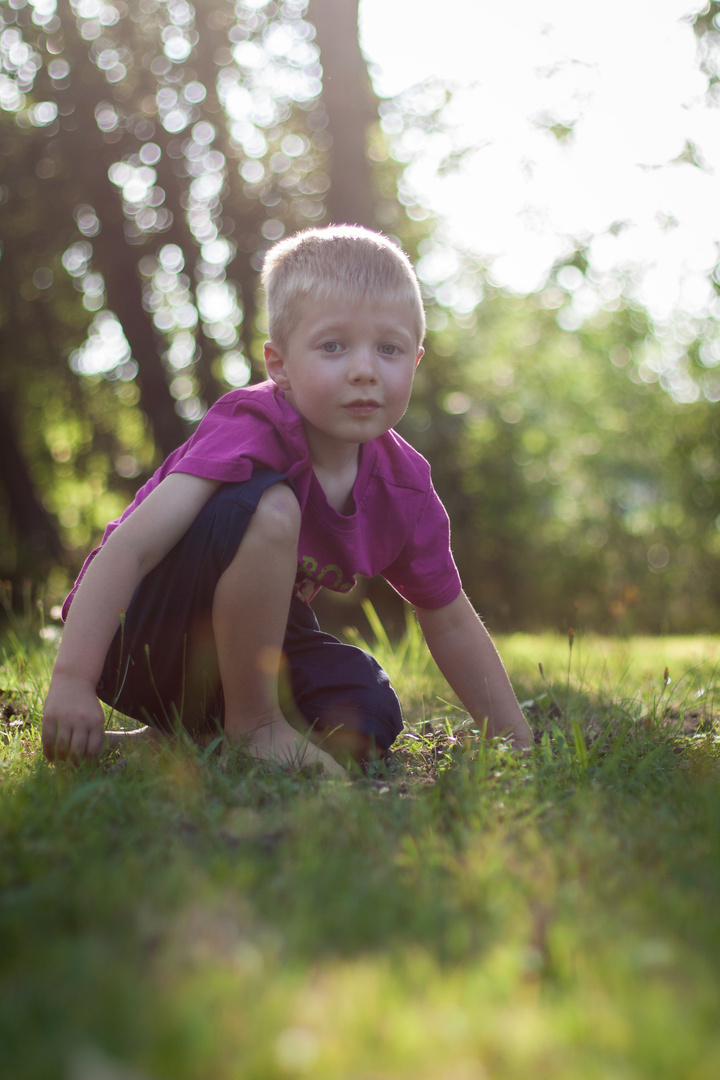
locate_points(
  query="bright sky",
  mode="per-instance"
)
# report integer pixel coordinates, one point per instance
(625, 74)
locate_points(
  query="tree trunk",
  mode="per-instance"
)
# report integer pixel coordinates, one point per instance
(112, 255)
(37, 542)
(124, 297)
(351, 109)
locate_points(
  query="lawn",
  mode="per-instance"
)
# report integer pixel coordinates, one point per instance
(459, 915)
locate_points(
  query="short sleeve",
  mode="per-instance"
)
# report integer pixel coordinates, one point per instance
(425, 573)
(230, 440)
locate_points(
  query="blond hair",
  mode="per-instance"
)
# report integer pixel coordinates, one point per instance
(344, 260)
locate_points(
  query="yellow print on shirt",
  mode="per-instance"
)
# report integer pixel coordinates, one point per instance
(331, 576)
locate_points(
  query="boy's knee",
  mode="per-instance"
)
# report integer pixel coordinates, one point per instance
(277, 517)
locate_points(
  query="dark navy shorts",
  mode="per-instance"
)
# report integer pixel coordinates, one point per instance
(162, 666)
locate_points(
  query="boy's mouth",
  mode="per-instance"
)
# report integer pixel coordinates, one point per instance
(362, 407)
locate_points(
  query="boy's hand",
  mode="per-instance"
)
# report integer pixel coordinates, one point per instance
(465, 654)
(73, 720)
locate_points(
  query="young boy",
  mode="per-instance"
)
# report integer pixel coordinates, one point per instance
(195, 608)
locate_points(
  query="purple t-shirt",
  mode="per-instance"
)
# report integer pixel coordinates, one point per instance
(399, 528)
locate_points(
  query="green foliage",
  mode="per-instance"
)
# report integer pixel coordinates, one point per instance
(580, 493)
(458, 913)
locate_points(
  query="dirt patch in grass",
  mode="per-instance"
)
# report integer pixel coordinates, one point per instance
(13, 713)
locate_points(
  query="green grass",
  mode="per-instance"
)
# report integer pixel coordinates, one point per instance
(461, 915)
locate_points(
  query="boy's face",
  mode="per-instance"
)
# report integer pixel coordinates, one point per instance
(348, 369)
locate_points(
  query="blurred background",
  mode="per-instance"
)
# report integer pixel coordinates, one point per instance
(553, 174)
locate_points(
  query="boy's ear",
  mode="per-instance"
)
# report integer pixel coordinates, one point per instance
(275, 365)
(418, 358)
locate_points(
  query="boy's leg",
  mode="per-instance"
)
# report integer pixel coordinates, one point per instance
(164, 666)
(249, 618)
(340, 690)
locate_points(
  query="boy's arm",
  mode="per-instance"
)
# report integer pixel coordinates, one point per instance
(466, 656)
(73, 719)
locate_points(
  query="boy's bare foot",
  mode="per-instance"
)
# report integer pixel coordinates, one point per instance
(275, 742)
(279, 743)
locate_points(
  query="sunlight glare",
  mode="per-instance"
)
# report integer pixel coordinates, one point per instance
(572, 119)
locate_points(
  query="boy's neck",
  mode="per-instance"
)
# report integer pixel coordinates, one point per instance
(329, 454)
(336, 475)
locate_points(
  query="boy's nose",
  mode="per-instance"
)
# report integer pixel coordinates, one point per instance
(363, 367)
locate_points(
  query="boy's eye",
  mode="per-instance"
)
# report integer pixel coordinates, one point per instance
(330, 347)
(389, 349)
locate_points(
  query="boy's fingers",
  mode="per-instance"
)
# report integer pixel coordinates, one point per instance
(74, 742)
(86, 742)
(78, 744)
(95, 742)
(63, 742)
(74, 751)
